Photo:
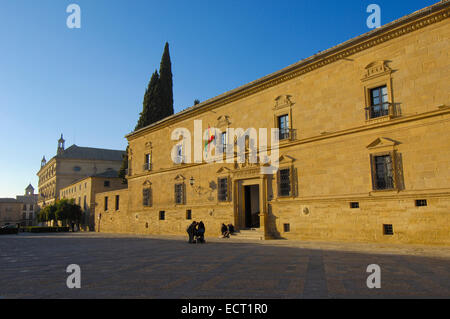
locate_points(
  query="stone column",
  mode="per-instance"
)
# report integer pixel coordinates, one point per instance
(262, 204)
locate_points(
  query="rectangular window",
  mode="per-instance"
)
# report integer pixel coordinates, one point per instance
(146, 197)
(421, 203)
(222, 191)
(284, 182)
(179, 155)
(85, 202)
(283, 126)
(287, 228)
(354, 205)
(189, 214)
(179, 193)
(148, 162)
(379, 104)
(117, 202)
(388, 229)
(106, 203)
(106, 183)
(224, 142)
(162, 215)
(383, 172)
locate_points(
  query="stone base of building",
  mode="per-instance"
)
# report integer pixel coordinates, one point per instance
(395, 220)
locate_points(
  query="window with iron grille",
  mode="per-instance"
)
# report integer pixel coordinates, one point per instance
(162, 215)
(383, 172)
(283, 126)
(379, 105)
(117, 202)
(148, 162)
(388, 229)
(222, 189)
(188, 214)
(146, 197)
(421, 203)
(287, 228)
(179, 193)
(354, 205)
(284, 182)
(224, 142)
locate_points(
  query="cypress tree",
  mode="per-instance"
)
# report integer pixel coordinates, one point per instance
(166, 84)
(158, 100)
(124, 167)
(150, 105)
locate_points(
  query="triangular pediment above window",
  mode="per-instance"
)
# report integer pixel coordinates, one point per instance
(147, 183)
(382, 142)
(223, 170)
(180, 177)
(286, 159)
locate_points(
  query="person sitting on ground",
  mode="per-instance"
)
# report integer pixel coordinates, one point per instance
(225, 232)
(191, 231)
(231, 229)
(200, 233)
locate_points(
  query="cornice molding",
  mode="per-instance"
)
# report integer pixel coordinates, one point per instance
(413, 22)
(369, 127)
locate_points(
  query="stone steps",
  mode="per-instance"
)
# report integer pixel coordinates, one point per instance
(254, 234)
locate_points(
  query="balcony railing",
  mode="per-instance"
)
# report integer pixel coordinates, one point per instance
(377, 111)
(147, 167)
(287, 134)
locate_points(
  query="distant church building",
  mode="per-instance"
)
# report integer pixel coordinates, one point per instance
(70, 165)
(21, 210)
(29, 206)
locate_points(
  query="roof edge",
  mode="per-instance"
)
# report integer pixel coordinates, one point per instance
(210, 103)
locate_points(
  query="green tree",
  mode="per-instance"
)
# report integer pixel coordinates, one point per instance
(166, 84)
(150, 105)
(124, 167)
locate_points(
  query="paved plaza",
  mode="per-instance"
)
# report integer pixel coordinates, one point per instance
(127, 266)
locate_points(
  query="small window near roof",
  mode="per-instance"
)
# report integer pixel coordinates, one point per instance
(354, 205)
(106, 183)
(388, 229)
(421, 203)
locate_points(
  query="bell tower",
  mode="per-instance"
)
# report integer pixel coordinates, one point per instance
(43, 161)
(61, 142)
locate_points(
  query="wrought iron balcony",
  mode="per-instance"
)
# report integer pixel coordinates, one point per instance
(386, 110)
(147, 167)
(287, 134)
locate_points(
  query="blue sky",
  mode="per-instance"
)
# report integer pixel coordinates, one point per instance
(89, 83)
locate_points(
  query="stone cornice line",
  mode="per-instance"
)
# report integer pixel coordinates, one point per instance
(312, 139)
(410, 194)
(349, 48)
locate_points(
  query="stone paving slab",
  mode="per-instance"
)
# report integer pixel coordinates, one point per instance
(129, 266)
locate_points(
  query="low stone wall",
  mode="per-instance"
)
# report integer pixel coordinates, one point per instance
(336, 221)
